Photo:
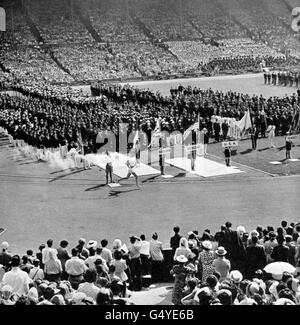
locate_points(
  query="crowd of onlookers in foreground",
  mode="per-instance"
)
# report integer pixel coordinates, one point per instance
(231, 267)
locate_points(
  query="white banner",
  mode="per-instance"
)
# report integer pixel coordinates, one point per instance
(292, 137)
(230, 144)
(193, 147)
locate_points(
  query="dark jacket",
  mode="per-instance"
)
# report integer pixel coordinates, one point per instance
(174, 241)
(280, 253)
(256, 258)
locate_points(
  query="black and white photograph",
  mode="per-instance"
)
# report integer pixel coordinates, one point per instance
(149, 155)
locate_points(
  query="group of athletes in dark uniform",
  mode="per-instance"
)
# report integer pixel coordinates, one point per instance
(282, 78)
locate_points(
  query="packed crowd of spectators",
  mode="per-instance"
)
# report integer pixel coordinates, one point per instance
(112, 21)
(242, 63)
(213, 20)
(31, 64)
(57, 22)
(17, 30)
(265, 25)
(95, 62)
(150, 59)
(70, 52)
(165, 23)
(231, 267)
(234, 51)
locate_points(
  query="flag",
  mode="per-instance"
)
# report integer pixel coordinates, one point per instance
(156, 133)
(135, 139)
(245, 123)
(80, 143)
(193, 127)
(296, 123)
(2, 20)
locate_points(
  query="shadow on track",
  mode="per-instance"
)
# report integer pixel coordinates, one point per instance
(95, 188)
(116, 193)
(32, 162)
(151, 179)
(180, 175)
(246, 151)
(65, 175)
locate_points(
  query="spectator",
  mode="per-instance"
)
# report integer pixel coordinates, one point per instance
(281, 251)
(63, 256)
(88, 287)
(180, 272)
(157, 259)
(183, 249)
(39, 255)
(174, 241)
(47, 250)
(25, 265)
(292, 249)
(120, 267)
(221, 264)
(135, 262)
(5, 257)
(145, 255)
(36, 273)
(16, 278)
(256, 257)
(75, 269)
(106, 253)
(94, 256)
(53, 268)
(83, 252)
(205, 261)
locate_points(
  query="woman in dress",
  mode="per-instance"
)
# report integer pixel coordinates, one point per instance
(121, 267)
(205, 260)
(180, 272)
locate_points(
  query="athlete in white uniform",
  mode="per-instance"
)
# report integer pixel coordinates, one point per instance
(130, 165)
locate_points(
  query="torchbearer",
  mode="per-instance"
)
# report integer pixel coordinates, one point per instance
(130, 165)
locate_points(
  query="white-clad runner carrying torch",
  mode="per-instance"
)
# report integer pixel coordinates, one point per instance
(130, 165)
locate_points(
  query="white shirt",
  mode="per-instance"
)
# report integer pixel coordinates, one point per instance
(135, 249)
(106, 254)
(18, 280)
(145, 249)
(36, 273)
(156, 250)
(45, 253)
(75, 266)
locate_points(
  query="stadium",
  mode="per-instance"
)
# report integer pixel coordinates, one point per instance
(123, 120)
